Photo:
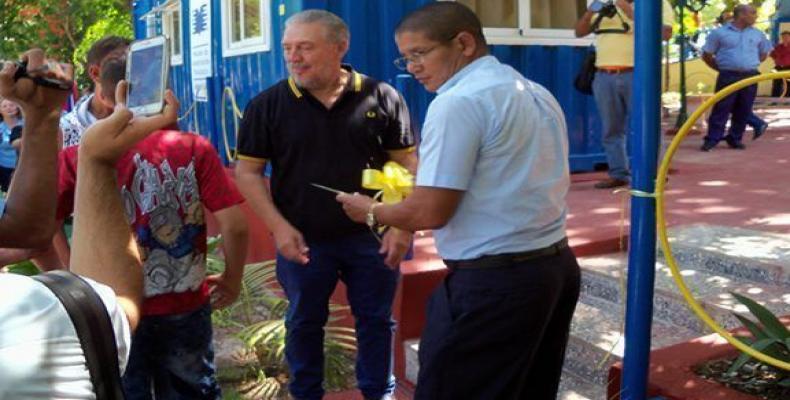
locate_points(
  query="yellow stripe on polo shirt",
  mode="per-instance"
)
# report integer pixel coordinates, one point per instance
(251, 159)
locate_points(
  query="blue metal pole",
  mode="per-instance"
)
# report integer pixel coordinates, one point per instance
(642, 246)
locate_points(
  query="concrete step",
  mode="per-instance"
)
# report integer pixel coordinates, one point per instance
(601, 278)
(742, 253)
(573, 387)
(597, 331)
(411, 348)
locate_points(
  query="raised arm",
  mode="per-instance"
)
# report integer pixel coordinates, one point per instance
(584, 24)
(103, 247)
(30, 206)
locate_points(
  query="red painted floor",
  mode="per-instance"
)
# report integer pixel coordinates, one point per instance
(745, 188)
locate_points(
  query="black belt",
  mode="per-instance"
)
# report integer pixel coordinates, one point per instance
(506, 259)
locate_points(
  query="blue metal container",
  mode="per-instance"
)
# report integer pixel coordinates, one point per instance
(372, 50)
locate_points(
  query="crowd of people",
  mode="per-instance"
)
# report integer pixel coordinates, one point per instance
(138, 189)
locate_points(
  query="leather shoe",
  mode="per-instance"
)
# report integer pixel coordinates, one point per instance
(611, 183)
(759, 131)
(736, 145)
(707, 146)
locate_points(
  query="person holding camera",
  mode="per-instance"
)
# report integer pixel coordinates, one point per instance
(612, 22)
(735, 50)
(41, 356)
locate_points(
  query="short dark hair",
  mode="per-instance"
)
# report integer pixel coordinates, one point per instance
(785, 33)
(104, 47)
(441, 21)
(737, 10)
(113, 70)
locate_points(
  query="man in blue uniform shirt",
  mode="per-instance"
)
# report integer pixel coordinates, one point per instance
(736, 50)
(492, 181)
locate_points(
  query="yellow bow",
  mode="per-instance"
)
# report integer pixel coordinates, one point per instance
(394, 182)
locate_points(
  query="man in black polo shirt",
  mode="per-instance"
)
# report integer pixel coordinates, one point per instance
(324, 125)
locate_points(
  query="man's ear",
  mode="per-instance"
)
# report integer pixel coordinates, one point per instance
(342, 48)
(93, 72)
(468, 44)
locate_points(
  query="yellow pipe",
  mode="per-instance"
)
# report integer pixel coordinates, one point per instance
(661, 222)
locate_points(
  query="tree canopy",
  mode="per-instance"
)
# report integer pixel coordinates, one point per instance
(63, 28)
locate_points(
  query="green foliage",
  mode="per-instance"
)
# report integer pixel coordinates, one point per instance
(60, 26)
(711, 9)
(23, 268)
(257, 317)
(768, 335)
(116, 23)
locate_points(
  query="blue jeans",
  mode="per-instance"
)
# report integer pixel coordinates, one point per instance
(172, 358)
(370, 290)
(754, 121)
(738, 104)
(613, 97)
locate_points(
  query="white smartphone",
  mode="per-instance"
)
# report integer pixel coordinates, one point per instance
(146, 72)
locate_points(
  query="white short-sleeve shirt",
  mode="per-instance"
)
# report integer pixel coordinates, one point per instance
(40, 353)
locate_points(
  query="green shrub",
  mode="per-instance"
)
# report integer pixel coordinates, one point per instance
(258, 319)
(768, 336)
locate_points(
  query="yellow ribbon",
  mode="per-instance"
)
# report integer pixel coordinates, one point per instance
(394, 182)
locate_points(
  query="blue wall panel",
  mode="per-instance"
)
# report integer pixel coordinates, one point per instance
(372, 23)
(555, 68)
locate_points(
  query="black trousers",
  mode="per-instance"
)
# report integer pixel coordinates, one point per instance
(5, 178)
(499, 333)
(777, 88)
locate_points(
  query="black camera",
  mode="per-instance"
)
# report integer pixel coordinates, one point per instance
(21, 72)
(608, 9)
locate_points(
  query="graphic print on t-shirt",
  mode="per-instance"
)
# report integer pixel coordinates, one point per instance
(165, 210)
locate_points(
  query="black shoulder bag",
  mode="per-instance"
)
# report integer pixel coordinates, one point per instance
(94, 329)
(584, 79)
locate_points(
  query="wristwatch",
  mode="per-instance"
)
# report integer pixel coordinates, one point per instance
(370, 219)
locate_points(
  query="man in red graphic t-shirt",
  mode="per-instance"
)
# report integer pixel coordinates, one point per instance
(781, 56)
(166, 180)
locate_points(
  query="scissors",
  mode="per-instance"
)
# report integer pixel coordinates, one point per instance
(328, 189)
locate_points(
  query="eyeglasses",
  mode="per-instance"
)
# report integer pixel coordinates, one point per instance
(402, 63)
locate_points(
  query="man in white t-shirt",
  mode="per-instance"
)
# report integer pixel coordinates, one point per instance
(40, 354)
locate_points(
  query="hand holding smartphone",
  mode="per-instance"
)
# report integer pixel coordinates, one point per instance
(146, 72)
